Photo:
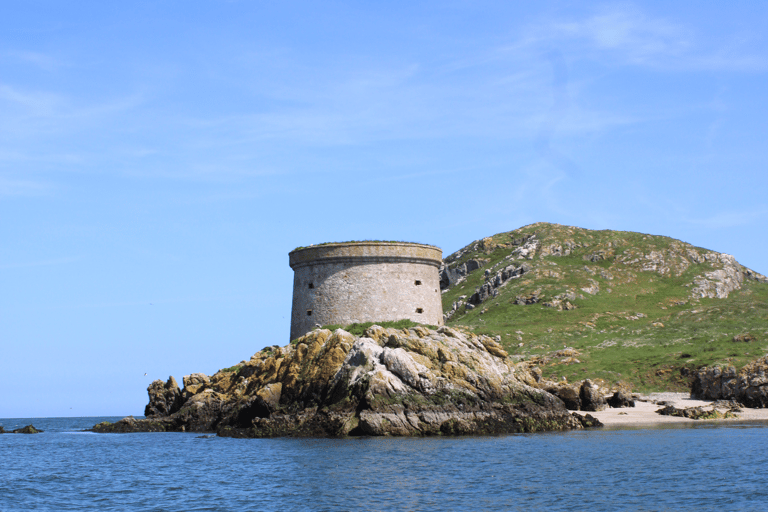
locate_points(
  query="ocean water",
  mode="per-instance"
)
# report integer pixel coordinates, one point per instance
(703, 467)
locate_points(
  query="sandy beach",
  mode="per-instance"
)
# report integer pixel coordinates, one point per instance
(644, 413)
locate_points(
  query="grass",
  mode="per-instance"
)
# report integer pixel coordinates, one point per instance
(358, 329)
(655, 350)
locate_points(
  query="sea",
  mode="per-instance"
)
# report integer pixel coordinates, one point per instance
(706, 466)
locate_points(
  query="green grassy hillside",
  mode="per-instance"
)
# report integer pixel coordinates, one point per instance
(616, 305)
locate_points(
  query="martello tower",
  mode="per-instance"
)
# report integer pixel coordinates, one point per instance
(344, 283)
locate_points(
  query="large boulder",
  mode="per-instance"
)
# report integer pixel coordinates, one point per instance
(621, 399)
(592, 399)
(568, 394)
(401, 382)
(748, 386)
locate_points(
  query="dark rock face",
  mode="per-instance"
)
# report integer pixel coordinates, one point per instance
(29, 429)
(587, 421)
(568, 394)
(449, 276)
(403, 382)
(164, 399)
(493, 282)
(748, 386)
(2, 430)
(591, 397)
(621, 399)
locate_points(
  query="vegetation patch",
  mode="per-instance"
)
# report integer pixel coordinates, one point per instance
(358, 329)
(635, 319)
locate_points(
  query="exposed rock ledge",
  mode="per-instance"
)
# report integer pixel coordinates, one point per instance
(402, 382)
(748, 386)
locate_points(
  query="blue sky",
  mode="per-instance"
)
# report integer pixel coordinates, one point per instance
(158, 160)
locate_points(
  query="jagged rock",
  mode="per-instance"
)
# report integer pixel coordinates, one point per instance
(450, 276)
(387, 382)
(722, 281)
(494, 282)
(621, 399)
(695, 413)
(29, 429)
(587, 421)
(568, 394)
(591, 397)
(748, 386)
(131, 424)
(194, 384)
(164, 398)
(2, 430)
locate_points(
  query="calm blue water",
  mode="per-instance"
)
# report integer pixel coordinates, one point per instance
(704, 467)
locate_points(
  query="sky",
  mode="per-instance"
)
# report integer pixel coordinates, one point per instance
(159, 160)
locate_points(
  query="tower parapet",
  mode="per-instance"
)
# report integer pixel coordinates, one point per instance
(345, 283)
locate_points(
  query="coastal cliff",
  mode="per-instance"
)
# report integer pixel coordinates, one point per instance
(401, 382)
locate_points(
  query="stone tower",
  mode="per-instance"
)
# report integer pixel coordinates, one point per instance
(345, 283)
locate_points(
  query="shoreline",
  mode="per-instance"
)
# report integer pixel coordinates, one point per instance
(644, 415)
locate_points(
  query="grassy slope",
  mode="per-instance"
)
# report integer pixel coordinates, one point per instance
(612, 340)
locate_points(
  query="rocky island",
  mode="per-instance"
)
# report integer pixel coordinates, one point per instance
(539, 320)
(403, 382)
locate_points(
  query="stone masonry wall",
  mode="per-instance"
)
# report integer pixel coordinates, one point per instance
(365, 282)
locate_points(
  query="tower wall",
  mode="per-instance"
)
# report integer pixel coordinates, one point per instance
(365, 282)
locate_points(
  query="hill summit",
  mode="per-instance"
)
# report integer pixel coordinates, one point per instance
(627, 307)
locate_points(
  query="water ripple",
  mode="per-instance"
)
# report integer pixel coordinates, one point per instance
(654, 469)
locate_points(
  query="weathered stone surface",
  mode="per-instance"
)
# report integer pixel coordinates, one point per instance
(591, 397)
(164, 398)
(568, 394)
(2, 430)
(621, 399)
(695, 413)
(356, 282)
(131, 424)
(29, 429)
(587, 421)
(748, 386)
(387, 382)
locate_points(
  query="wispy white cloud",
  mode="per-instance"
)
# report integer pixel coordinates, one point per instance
(626, 34)
(637, 37)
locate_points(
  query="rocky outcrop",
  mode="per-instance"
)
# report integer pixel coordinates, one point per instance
(621, 399)
(164, 399)
(131, 424)
(748, 386)
(587, 421)
(402, 382)
(568, 394)
(587, 395)
(490, 289)
(591, 397)
(29, 429)
(696, 413)
(451, 275)
(719, 283)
